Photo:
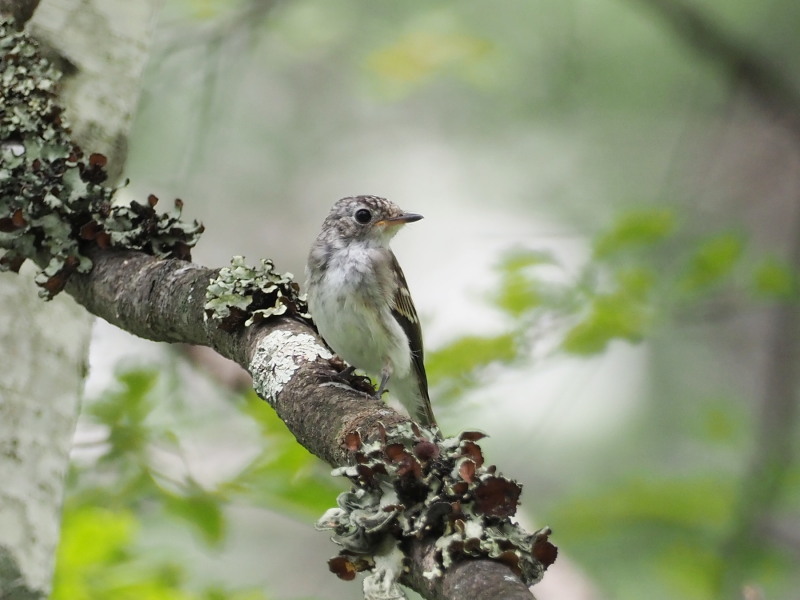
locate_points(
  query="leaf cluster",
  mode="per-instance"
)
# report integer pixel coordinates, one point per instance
(644, 270)
(647, 272)
(121, 494)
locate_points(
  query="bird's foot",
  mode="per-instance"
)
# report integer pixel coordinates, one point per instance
(382, 387)
(363, 384)
(347, 372)
(347, 375)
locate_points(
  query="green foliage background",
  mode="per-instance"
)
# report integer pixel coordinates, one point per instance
(678, 188)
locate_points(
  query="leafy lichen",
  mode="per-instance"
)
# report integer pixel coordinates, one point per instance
(242, 295)
(410, 485)
(54, 205)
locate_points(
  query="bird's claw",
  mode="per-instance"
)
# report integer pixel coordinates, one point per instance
(348, 376)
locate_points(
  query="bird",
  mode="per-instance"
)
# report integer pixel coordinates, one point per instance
(359, 299)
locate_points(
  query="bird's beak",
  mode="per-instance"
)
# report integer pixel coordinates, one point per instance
(400, 220)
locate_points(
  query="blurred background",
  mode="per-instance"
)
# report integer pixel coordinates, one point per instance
(607, 277)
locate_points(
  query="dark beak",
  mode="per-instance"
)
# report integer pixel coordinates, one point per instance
(401, 220)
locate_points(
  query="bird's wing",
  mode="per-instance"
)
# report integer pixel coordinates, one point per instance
(406, 315)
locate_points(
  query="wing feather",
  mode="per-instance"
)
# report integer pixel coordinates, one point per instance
(405, 314)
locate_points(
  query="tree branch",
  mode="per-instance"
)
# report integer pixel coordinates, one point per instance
(468, 579)
(769, 86)
(163, 301)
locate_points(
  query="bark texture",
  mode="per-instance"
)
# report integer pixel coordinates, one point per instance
(474, 579)
(43, 352)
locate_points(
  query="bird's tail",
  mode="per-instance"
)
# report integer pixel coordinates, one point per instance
(414, 397)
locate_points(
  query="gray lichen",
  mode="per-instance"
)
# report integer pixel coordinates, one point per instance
(53, 204)
(278, 356)
(242, 295)
(383, 582)
(411, 485)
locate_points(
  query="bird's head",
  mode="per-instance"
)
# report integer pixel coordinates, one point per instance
(369, 219)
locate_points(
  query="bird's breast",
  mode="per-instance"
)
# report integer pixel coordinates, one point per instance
(352, 312)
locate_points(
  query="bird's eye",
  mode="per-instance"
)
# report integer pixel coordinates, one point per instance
(363, 216)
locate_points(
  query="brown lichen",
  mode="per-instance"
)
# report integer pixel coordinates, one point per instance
(410, 484)
(54, 203)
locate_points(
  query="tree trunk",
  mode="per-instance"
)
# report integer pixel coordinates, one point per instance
(102, 46)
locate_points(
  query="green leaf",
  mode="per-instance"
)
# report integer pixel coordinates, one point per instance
(702, 502)
(202, 510)
(224, 594)
(92, 540)
(469, 353)
(650, 520)
(91, 535)
(124, 411)
(519, 290)
(518, 294)
(775, 280)
(615, 316)
(636, 282)
(691, 570)
(518, 259)
(717, 423)
(285, 474)
(635, 229)
(713, 260)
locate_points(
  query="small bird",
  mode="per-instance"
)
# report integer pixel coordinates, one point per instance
(359, 299)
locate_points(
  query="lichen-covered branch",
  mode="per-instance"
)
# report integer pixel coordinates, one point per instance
(420, 505)
(478, 578)
(410, 485)
(53, 204)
